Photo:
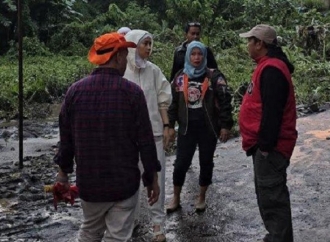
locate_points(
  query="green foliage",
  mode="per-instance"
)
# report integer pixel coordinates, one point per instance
(45, 79)
(73, 39)
(162, 56)
(134, 16)
(7, 11)
(183, 11)
(168, 36)
(9, 5)
(284, 9)
(31, 47)
(58, 34)
(311, 79)
(314, 4)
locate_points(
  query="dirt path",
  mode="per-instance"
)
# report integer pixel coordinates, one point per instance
(232, 213)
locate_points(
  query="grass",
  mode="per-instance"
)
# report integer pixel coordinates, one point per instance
(46, 79)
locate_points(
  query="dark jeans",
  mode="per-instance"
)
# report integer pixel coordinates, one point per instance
(197, 134)
(273, 196)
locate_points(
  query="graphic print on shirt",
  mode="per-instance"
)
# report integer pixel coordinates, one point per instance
(179, 84)
(194, 95)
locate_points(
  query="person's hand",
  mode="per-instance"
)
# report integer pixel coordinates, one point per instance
(63, 179)
(224, 135)
(167, 137)
(153, 191)
(171, 134)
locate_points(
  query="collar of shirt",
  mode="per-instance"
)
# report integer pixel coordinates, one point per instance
(105, 70)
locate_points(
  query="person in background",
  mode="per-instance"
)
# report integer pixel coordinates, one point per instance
(123, 30)
(157, 91)
(192, 32)
(105, 127)
(202, 107)
(267, 121)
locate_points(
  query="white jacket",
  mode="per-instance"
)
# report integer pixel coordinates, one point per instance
(152, 81)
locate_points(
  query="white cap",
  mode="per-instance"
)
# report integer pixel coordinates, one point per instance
(123, 30)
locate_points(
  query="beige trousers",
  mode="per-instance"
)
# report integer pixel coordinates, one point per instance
(112, 221)
(157, 211)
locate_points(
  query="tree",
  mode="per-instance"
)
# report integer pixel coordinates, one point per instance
(8, 15)
(41, 18)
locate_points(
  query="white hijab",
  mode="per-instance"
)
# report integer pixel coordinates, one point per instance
(137, 36)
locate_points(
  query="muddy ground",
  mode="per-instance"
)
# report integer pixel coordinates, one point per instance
(27, 214)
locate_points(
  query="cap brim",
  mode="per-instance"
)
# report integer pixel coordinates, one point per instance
(246, 35)
(127, 44)
(96, 59)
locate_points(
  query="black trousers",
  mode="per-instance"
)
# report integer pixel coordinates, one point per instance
(273, 196)
(197, 134)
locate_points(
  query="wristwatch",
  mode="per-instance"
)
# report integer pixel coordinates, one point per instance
(166, 125)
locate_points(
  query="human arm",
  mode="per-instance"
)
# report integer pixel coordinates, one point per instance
(223, 98)
(274, 90)
(153, 190)
(166, 133)
(164, 99)
(145, 140)
(224, 134)
(63, 178)
(173, 108)
(65, 154)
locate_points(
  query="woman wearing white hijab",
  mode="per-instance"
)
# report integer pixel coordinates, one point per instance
(157, 91)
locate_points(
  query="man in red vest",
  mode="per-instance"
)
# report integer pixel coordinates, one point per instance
(267, 123)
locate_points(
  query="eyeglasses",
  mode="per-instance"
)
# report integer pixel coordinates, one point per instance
(194, 24)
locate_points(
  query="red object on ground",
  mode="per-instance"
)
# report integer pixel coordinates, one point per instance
(62, 194)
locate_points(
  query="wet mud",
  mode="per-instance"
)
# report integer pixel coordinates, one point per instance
(27, 213)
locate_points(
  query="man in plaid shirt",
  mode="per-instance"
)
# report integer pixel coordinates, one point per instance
(105, 127)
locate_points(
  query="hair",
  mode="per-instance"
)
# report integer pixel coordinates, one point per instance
(192, 24)
(275, 51)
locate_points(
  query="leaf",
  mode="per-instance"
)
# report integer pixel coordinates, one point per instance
(11, 5)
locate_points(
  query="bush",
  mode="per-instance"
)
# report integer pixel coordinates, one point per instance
(31, 47)
(46, 79)
(73, 40)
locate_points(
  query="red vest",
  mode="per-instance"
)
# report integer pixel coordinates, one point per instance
(251, 111)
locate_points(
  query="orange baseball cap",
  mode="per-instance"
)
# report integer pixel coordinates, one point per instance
(106, 46)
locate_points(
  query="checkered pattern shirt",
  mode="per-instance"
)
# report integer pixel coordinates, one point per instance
(104, 127)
